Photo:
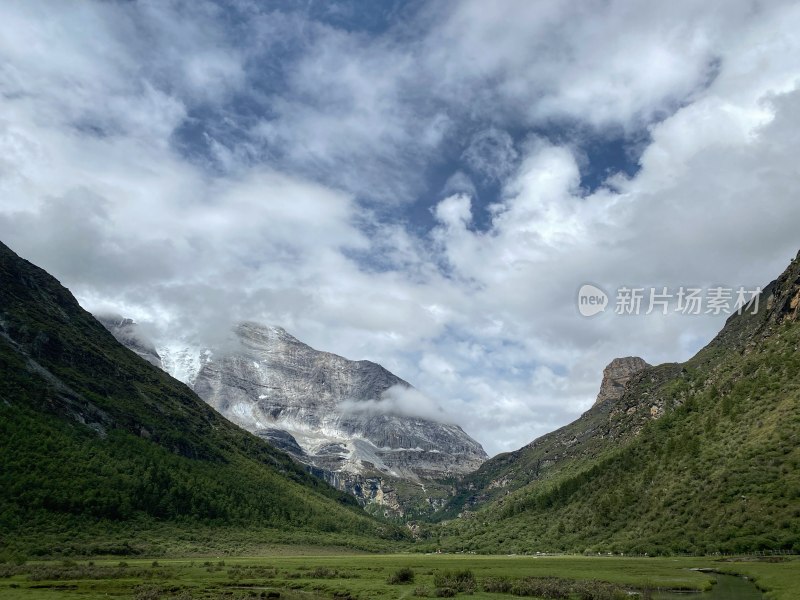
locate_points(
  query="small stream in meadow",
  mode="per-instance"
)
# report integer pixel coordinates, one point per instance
(728, 587)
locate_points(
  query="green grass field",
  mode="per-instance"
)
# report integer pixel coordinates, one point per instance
(328, 574)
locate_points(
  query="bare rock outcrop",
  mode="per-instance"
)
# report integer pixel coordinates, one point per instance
(616, 375)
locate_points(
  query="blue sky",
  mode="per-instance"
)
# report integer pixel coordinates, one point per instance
(423, 184)
(479, 148)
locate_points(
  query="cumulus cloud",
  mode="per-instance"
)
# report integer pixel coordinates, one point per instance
(459, 183)
(399, 400)
(189, 170)
(604, 63)
(491, 154)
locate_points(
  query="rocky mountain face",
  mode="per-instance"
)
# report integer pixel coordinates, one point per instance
(341, 418)
(616, 375)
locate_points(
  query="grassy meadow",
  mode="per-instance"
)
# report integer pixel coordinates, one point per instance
(286, 573)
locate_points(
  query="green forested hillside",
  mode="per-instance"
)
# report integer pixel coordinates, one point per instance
(701, 457)
(100, 451)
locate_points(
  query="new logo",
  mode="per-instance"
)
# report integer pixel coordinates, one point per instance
(591, 300)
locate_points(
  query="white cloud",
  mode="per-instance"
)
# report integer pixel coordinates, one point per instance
(454, 212)
(617, 62)
(398, 400)
(483, 321)
(491, 154)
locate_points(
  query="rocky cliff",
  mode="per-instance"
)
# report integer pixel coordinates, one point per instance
(616, 375)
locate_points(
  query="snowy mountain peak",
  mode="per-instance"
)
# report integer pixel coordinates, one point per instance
(347, 418)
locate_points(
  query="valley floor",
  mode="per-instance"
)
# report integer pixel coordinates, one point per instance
(327, 574)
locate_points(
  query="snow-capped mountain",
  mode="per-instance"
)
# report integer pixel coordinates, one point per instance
(331, 406)
(345, 419)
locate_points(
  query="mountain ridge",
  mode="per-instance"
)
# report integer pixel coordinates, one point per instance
(699, 457)
(96, 442)
(341, 418)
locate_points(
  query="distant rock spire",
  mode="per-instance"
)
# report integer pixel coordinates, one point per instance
(616, 375)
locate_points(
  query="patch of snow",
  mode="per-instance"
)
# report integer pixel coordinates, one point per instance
(183, 362)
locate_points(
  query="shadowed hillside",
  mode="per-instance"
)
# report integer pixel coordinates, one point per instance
(102, 452)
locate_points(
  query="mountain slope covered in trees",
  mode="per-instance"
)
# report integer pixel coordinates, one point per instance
(697, 457)
(102, 452)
